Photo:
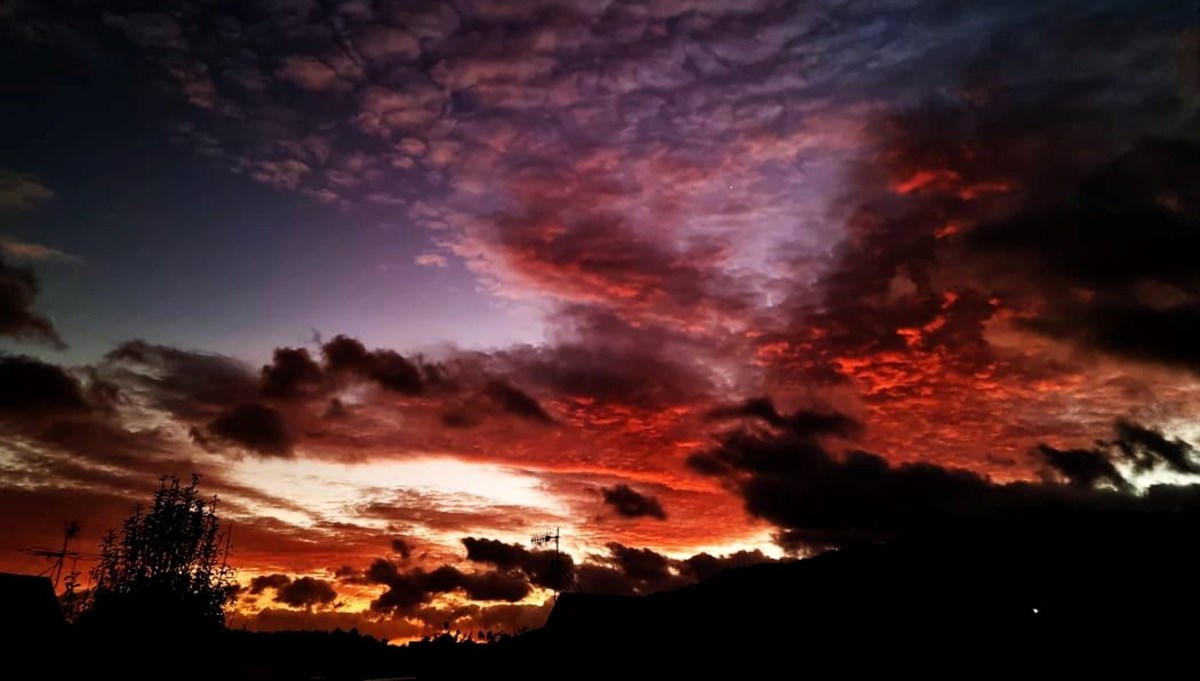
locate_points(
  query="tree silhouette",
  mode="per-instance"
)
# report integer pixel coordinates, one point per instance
(166, 569)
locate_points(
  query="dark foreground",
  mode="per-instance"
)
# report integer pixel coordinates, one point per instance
(1115, 593)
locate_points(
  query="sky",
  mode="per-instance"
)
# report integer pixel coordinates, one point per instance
(700, 282)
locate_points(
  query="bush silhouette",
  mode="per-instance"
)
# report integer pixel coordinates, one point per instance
(164, 573)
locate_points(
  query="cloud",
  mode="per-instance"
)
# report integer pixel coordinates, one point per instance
(1083, 467)
(285, 174)
(516, 402)
(762, 408)
(75, 429)
(402, 548)
(788, 476)
(497, 553)
(307, 73)
(254, 426)
(290, 373)
(193, 386)
(18, 291)
(1146, 449)
(444, 512)
(385, 367)
(629, 503)
(627, 570)
(541, 568)
(406, 591)
(1110, 262)
(152, 30)
(600, 359)
(624, 570)
(305, 592)
(641, 564)
(710, 201)
(703, 565)
(431, 260)
(302, 592)
(381, 43)
(29, 386)
(15, 248)
(264, 582)
(21, 192)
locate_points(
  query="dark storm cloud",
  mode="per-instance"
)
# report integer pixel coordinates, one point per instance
(517, 402)
(763, 409)
(756, 407)
(290, 373)
(789, 477)
(336, 410)
(18, 319)
(633, 377)
(302, 592)
(1142, 448)
(627, 570)
(704, 565)
(407, 590)
(253, 426)
(305, 592)
(294, 398)
(541, 568)
(264, 582)
(110, 443)
(623, 570)
(642, 564)
(1083, 467)
(600, 358)
(212, 392)
(385, 367)
(497, 553)
(190, 385)
(568, 243)
(348, 574)
(1146, 448)
(629, 503)
(402, 547)
(516, 570)
(30, 386)
(469, 404)
(481, 586)
(1114, 262)
(68, 427)
(1005, 147)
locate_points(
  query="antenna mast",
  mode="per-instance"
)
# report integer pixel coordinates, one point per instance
(560, 579)
(60, 556)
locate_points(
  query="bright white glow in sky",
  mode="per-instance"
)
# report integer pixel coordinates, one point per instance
(333, 489)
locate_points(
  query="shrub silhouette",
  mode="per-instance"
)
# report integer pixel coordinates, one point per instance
(165, 572)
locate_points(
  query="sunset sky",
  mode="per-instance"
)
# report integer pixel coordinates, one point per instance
(407, 281)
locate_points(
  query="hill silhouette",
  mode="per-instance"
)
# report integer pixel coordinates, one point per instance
(1054, 588)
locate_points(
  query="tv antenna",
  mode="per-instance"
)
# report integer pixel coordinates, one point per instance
(59, 556)
(559, 578)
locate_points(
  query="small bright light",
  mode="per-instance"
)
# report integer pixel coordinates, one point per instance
(1035, 611)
